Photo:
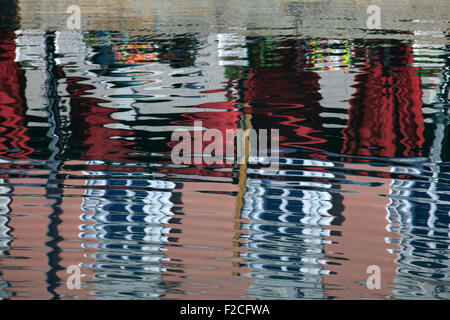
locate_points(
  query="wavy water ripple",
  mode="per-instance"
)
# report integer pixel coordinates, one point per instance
(87, 178)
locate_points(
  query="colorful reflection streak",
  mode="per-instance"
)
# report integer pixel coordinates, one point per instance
(86, 176)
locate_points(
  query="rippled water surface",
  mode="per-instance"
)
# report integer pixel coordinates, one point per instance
(87, 179)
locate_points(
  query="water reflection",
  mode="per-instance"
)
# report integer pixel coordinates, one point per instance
(86, 176)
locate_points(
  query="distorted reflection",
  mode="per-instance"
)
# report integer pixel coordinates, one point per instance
(86, 118)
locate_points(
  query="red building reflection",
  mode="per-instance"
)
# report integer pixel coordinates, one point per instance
(93, 125)
(223, 116)
(13, 131)
(283, 93)
(385, 115)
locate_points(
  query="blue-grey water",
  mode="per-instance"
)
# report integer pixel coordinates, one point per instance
(87, 178)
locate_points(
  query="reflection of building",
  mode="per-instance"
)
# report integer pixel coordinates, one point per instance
(34, 259)
(206, 250)
(281, 85)
(4, 294)
(332, 60)
(5, 236)
(385, 117)
(135, 54)
(13, 141)
(27, 261)
(292, 216)
(123, 209)
(363, 239)
(390, 127)
(31, 55)
(128, 223)
(205, 255)
(11, 78)
(385, 120)
(122, 214)
(288, 211)
(419, 208)
(23, 221)
(141, 226)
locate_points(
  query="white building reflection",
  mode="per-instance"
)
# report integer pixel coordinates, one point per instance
(129, 228)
